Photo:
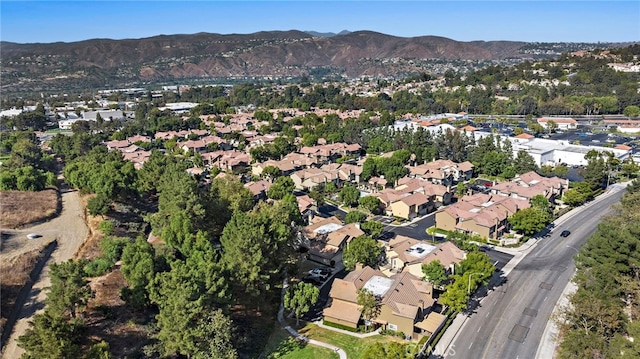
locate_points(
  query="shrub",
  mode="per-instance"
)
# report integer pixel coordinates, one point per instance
(98, 267)
(106, 227)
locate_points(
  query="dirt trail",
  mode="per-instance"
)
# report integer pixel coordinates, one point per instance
(71, 231)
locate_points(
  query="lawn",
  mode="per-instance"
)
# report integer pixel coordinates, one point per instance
(353, 346)
(283, 346)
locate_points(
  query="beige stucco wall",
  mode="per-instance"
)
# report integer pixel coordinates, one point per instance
(400, 209)
(341, 322)
(472, 227)
(405, 325)
(445, 221)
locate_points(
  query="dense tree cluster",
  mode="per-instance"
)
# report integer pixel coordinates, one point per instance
(602, 320)
(27, 168)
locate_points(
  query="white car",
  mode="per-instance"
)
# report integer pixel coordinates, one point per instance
(33, 235)
(319, 273)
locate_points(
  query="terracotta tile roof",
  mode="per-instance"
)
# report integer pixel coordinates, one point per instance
(525, 136)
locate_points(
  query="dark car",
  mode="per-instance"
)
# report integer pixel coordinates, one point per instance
(565, 233)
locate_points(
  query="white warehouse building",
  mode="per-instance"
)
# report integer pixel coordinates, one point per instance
(552, 152)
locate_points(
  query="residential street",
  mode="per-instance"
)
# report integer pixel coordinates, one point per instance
(510, 320)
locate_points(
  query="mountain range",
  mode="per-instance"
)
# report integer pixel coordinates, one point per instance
(97, 63)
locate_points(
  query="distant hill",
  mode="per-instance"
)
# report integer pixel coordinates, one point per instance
(327, 34)
(100, 63)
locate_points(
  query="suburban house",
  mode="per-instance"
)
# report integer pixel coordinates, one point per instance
(405, 302)
(443, 172)
(259, 188)
(227, 160)
(413, 197)
(480, 214)
(307, 207)
(286, 166)
(331, 152)
(405, 254)
(326, 237)
(531, 184)
(309, 178)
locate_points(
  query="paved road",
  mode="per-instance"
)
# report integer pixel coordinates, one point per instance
(510, 321)
(71, 231)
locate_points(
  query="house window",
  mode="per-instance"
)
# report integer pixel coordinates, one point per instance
(393, 327)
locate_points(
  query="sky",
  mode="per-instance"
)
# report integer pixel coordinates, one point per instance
(542, 21)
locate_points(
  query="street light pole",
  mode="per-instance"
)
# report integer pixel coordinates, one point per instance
(469, 286)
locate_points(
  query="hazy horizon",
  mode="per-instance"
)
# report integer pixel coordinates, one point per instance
(529, 21)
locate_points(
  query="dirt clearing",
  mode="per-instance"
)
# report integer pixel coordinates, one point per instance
(19, 208)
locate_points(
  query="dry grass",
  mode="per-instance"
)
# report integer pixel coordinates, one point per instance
(91, 246)
(19, 208)
(110, 319)
(14, 275)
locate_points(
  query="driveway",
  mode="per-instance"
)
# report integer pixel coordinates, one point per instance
(70, 230)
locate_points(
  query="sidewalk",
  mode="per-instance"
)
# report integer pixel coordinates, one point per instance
(346, 332)
(547, 346)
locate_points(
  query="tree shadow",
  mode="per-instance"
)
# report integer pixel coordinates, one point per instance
(497, 282)
(287, 346)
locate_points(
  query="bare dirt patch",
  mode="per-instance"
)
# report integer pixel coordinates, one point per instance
(91, 246)
(14, 274)
(20, 208)
(110, 319)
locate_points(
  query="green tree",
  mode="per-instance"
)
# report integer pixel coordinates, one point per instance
(51, 337)
(215, 332)
(632, 111)
(281, 187)
(371, 306)
(138, 268)
(561, 171)
(181, 303)
(372, 228)
(370, 203)
(434, 272)
(300, 297)
(461, 189)
(529, 220)
(257, 248)
(271, 172)
(355, 217)
(99, 205)
(363, 249)
(456, 295)
(349, 195)
(579, 194)
(595, 173)
(524, 163)
(69, 291)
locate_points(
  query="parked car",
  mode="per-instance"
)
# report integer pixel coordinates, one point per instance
(33, 235)
(565, 233)
(309, 279)
(319, 273)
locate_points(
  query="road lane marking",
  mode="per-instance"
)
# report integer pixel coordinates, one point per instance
(470, 345)
(487, 314)
(478, 331)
